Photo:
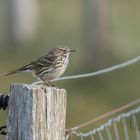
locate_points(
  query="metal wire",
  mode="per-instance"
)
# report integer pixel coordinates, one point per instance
(92, 138)
(108, 134)
(111, 122)
(116, 131)
(106, 70)
(125, 129)
(136, 127)
(130, 104)
(100, 135)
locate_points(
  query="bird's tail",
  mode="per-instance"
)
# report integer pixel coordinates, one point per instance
(22, 69)
(9, 73)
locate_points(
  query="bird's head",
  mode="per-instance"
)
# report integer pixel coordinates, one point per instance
(65, 50)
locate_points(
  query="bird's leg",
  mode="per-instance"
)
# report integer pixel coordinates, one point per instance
(47, 83)
(44, 82)
(51, 84)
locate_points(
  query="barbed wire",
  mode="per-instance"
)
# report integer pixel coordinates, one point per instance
(130, 104)
(99, 72)
(109, 123)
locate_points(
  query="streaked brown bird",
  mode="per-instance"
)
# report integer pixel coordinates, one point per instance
(49, 66)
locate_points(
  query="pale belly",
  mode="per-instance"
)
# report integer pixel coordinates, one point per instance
(55, 74)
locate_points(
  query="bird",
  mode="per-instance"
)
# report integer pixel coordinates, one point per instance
(49, 66)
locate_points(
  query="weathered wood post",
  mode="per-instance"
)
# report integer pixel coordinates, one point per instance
(36, 112)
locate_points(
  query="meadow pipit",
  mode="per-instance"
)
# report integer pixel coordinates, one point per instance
(49, 66)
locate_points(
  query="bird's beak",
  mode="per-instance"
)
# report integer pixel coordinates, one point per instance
(72, 50)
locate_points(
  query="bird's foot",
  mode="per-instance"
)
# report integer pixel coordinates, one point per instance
(48, 83)
(44, 83)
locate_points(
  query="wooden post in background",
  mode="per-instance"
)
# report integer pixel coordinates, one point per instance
(23, 20)
(36, 112)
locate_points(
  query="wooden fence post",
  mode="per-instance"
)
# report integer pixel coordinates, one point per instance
(36, 112)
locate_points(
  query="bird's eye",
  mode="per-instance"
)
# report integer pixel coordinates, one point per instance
(63, 50)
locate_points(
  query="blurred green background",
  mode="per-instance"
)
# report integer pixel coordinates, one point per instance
(104, 33)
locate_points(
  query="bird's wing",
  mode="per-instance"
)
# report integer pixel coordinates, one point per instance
(46, 61)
